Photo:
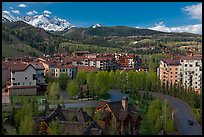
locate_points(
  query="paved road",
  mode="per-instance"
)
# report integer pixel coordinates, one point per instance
(115, 95)
(182, 114)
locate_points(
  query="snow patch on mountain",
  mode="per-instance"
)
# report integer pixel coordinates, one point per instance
(46, 22)
(96, 25)
(7, 17)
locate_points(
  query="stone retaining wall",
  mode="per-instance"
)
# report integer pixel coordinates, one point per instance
(23, 91)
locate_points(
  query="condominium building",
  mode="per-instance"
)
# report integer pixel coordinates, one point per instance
(187, 71)
(191, 72)
(168, 71)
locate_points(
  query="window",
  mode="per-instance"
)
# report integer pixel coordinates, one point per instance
(13, 72)
(175, 76)
(169, 68)
(176, 72)
(25, 77)
(13, 78)
(18, 83)
(14, 83)
(63, 70)
(170, 76)
(171, 72)
(22, 83)
(164, 76)
(164, 72)
(34, 76)
(42, 74)
(176, 68)
(190, 65)
(175, 80)
(30, 83)
(186, 65)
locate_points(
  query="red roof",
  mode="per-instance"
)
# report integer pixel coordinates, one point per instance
(191, 58)
(80, 58)
(4, 65)
(104, 58)
(66, 66)
(20, 66)
(87, 68)
(67, 59)
(38, 66)
(171, 61)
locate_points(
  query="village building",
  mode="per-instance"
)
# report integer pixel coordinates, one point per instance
(72, 121)
(123, 115)
(68, 69)
(23, 79)
(191, 72)
(168, 71)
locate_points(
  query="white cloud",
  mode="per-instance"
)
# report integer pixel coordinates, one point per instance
(22, 5)
(5, 11)
(16, 11)
(197, 28)
(31, 12)
(195, 11)
(47, 12)
(35, 12)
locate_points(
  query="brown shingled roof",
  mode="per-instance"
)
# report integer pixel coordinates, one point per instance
(20, 66)
(191, 58)
(38, 66)
(66, 66)
(171, 61)
(73, 128)
(101, 58)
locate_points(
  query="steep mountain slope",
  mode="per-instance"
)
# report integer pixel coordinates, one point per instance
(47, 23)
(35, 37)
(6, 17)
(43, 21)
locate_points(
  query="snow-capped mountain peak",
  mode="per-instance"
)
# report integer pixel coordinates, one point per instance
(7, 17)
(96, 25)
(43, 21)
(46, 22)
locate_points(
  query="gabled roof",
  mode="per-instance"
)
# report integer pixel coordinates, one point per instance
(38, 66)
(93, 129)
(64, 114)
(73, 128)
(118, 111)
(20, 66)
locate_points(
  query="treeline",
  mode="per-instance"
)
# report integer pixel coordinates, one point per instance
(71, 47)
(157, 118)
(22, 119)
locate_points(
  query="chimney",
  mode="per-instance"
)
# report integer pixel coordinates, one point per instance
(125, 103)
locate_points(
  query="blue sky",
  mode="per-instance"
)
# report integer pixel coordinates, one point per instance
(167, 16)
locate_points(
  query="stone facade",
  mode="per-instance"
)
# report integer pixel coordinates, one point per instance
(22, 91)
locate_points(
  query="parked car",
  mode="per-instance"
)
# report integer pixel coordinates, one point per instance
(190, 122)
